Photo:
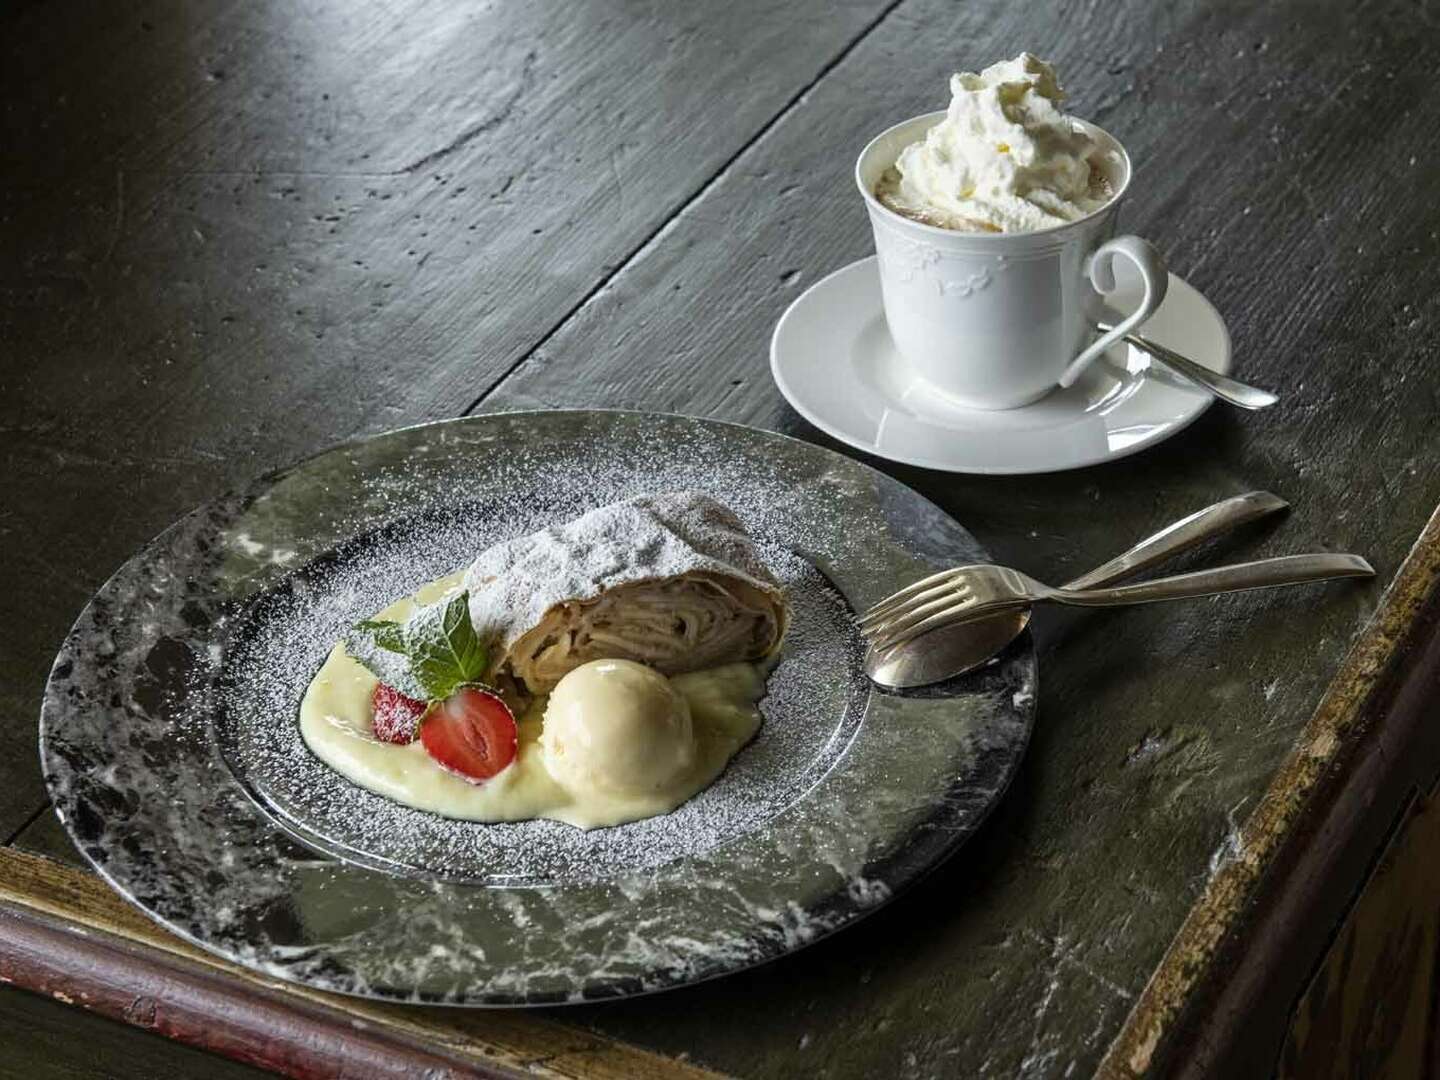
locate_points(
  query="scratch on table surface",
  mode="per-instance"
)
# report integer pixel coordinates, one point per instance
(63, 582)
(117, 227)
(196, 456)
(615, 179)
(1063, 953)
(587, 1048)
(264, 174)
(490, 123)
(1232, 844)
(1039, 1059)
(1036, 1058)
(1339, 89)
(1292, 183)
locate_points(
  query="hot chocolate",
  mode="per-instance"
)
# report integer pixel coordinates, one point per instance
(1004, 159)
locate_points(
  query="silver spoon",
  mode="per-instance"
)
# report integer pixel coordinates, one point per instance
(943, 654)
(1222, 386)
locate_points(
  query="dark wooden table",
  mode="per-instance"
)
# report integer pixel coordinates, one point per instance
(234, 233)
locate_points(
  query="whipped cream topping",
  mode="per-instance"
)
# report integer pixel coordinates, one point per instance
(1006, 158)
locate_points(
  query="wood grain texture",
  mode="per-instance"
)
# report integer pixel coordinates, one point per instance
(50, 1040)
(180, 984)
(184, 1002)
(236, 233)
(204, 275)
(1159, 729)
(1371, 1008)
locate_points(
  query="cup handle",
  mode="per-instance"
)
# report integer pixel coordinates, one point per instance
(1101, 271)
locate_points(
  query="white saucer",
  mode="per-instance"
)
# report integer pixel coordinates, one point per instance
(833, 359)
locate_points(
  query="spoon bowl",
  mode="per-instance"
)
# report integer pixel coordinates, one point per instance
(945, 653)
(958, 649)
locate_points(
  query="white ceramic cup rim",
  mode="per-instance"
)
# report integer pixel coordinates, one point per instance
(984, 238)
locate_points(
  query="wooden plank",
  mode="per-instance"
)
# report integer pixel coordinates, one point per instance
(49, 1040)
(1025, 910)
(237, 233)
(1159, 730)
(68, 934)
(180, 1002)
(1390, 939)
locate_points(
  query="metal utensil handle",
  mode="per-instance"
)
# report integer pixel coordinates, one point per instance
(1222, 386)
(1181, 536)
(1262, 574)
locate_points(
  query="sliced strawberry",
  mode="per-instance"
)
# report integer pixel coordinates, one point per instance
(472, 733)
(393, 715)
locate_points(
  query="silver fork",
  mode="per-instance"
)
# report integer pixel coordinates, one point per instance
(972, 592)
(957, 649)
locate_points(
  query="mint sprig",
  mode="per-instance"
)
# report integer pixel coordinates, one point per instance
(429, 656)
(389, 636)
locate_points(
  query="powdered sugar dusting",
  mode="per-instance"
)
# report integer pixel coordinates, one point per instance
(814, 699)
(646, 538)
(180, 680)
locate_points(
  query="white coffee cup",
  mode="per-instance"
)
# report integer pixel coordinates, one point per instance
(998, 320)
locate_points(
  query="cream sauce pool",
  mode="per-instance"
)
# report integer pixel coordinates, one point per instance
(335, 723)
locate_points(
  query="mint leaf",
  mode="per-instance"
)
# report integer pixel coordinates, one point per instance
(388, 635)
(444, 650)
(373, 644)
(432, 654)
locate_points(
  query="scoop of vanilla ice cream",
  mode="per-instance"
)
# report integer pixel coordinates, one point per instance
(1006, 158)
(617, 726)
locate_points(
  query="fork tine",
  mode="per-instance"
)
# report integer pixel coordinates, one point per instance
(918, 613)
(896, 598)
(891, 637)
(910, 604)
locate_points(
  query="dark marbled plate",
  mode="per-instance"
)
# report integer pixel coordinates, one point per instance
(168, 728)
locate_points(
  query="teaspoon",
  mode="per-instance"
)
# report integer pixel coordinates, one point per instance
(1223, 387)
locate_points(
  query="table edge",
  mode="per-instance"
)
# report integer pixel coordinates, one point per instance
(64, 933)
(1327, 750)
(1323, 754)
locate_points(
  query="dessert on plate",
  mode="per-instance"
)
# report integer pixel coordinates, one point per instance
(596, 672)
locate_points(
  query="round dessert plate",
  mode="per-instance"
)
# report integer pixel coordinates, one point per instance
(171, 747)
(833, 359)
